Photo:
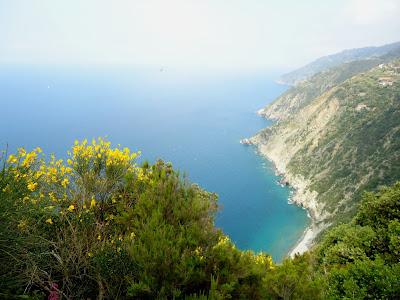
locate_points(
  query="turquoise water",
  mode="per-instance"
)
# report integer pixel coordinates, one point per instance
(194, 119)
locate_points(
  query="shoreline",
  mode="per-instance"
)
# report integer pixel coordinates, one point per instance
(298, 197)
(304, 243)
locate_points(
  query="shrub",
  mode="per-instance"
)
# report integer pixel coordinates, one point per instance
(102, 226)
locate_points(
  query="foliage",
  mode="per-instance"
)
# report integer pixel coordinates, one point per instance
(295, 279)
(361, 259)
(340, 134)
(301, 95)
(103, 226)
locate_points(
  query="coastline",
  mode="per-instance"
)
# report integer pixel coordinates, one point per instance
(301, 197)
(304, 243)
(282, 82)
(274, 144)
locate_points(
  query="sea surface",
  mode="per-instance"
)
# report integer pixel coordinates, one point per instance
(194, 119)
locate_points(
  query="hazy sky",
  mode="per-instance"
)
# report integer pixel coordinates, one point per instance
(221, 33)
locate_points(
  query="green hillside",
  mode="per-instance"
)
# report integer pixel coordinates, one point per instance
(334, 60)
(299, 96)
(102, 227)
(339, 136)
(360, 146)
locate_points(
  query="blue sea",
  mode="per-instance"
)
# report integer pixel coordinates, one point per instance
(192, 118)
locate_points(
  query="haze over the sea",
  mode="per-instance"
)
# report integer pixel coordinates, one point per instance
(210, 33)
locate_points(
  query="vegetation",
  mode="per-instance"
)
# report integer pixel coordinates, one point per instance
(340, 133)
(348, 152)
(299, 96)
(102, 226)
(362, 259)
(331, 61)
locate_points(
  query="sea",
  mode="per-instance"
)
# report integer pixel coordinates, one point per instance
(193, 118)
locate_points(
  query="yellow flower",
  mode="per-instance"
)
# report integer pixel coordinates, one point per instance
(65, 182)
(69, 161)
(49, 221)
(263, 259)
(52, 171)
(32, 186)
(90, 254)
(12, 159)
(109, 217)
(99, 237)
(197, 251)
(29, 159)
(52, 196)
(21, 152)
(93, 203)
(22, 224)
(71, 208)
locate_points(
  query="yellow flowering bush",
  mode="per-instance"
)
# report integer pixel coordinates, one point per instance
(98, 225)
(81, 196)
(94, 174)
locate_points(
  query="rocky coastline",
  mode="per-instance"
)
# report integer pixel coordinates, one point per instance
(301, 196)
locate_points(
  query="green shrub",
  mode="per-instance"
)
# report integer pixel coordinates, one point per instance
(102, 226)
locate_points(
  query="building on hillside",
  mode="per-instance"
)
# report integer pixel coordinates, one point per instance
(385, 81)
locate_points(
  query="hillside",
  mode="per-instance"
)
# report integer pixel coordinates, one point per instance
(299, 96)
(330, 61)
(102, 227)
(336, 137)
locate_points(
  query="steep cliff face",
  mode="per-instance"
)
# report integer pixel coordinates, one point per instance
(336, 136)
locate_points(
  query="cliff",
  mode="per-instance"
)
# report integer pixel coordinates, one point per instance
(336, 135)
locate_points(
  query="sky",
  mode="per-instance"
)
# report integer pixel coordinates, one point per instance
(208, 33)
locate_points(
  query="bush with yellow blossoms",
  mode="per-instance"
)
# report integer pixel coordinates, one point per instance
(99, 225)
